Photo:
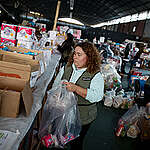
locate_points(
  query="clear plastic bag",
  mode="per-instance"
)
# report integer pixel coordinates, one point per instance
(108, 99)
(60, 118)
(111, 77)
(132, 115)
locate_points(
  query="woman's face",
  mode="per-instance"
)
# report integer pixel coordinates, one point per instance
(80, 58)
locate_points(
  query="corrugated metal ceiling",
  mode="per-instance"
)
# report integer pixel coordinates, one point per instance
(88, 12)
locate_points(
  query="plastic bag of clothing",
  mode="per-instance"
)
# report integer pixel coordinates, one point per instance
(60, 118)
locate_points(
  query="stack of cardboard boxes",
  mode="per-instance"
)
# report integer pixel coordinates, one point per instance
(15, 91)
(17, 35)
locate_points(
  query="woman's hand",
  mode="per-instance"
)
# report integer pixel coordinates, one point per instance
(75, 88)
(70, 86)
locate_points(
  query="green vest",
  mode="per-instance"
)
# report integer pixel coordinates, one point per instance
(88, 111)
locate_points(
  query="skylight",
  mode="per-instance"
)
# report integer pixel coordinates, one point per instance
(130, 18)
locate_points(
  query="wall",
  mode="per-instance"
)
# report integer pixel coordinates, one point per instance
(137, 30)
(90, 33)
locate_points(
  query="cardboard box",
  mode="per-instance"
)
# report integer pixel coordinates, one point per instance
(11, 83)
(8, 41)
(10, 73)
(8, 31)
(25, 33)
(24, 44)
(1, 56)
(12, 98)
(16, 54)
(20, 60)
(23, 50)
(23, 71)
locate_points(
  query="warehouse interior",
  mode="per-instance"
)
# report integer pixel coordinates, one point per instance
(30, 32)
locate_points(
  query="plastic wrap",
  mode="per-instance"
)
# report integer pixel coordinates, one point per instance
(117, 101)
(131, 116)
(128, 123)
(60, 118)
(111, 77)
(108, 100)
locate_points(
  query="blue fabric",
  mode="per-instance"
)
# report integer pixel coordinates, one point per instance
(142, 82)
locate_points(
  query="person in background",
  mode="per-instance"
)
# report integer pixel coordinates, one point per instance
(127, 50)
(137, 54)
(133, 51)
(94, 40)
(43, 29)
(84, 79)
(66, 48)
(118, 59)
(109, 50)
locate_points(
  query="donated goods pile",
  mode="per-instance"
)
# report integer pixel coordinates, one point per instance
(134, 123)
(114, 93)
(15, 76)
(20, 66)
(24, 37)
(13, 34)
(136, 120)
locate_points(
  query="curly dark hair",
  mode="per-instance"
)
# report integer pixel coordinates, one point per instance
(94, 59)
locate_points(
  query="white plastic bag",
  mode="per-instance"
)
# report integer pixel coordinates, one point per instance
(60, 118)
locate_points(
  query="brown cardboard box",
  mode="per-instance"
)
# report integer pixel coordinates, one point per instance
(10, 102)
(20, 60)
(23, 71)
(15, 66)
(9, 106)
(13, 83)
(10, 83)
(16, 54)
(23, 50)
(1, 56)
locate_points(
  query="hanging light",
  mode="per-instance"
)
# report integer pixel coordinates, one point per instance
(71, 7)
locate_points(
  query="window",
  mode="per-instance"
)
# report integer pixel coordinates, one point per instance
(122, 20)
(128, 18)
(134, 29)
(134, 17)
(148, 15)
(142, 15)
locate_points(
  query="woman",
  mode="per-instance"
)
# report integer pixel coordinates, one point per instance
(66, 48)
(84, 79)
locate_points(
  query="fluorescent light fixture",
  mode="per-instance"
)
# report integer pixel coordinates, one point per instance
(0, 11)
(99, 25)
(31, 12)
(34, 13)
(70, 20)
